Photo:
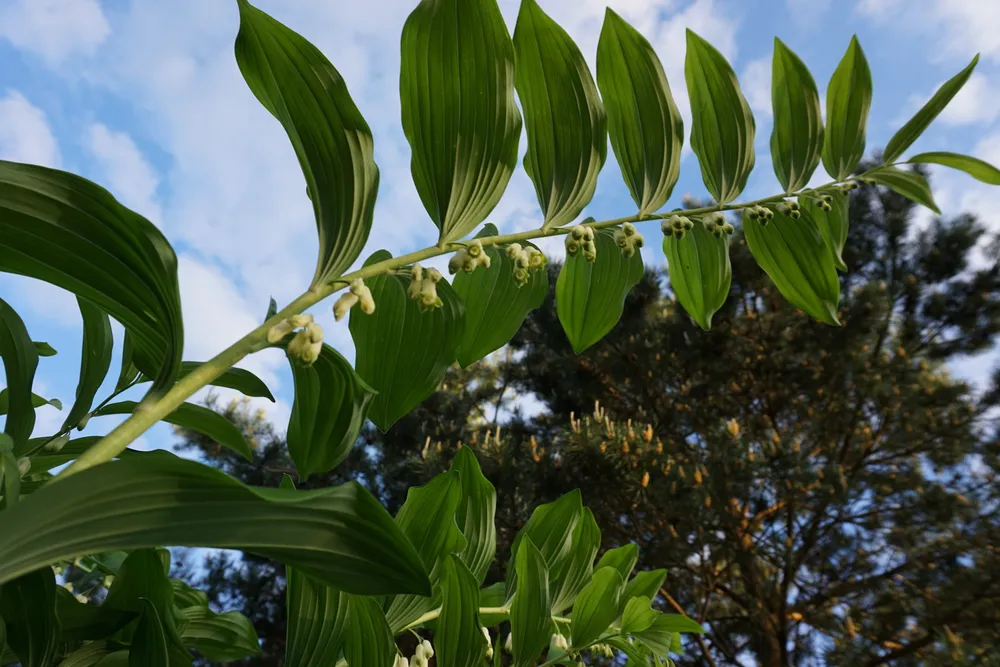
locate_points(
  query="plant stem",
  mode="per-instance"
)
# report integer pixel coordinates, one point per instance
(153, 409)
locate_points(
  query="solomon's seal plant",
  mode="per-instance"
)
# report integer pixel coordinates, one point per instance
(358, 577)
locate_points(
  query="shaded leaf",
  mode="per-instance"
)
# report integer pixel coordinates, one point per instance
(495, 305)
(95, 359)
(44, 349)
(298, 85)
(795, 257)
(129, 372)
(329, 409)
(401, 352)
(914, 127)
(699, 270)
(317, 621)
(597, 606)
(563, 116)
(848, 98)
(476, 514)
(458, 641)
(568, 576)
(69, 451)
(646, 128)
(185, 596)
(20, 359)
(456, 85)
(239, 379)
(218, 637)
(590, 297)
(27, 606)
(81, 622)
(797, 135)
(197, 418)
(88, 655)
(369, 641)
(550, 529)
(910, 184)
(340, 535)
(67, 231)
(978, 169)
(832, 224)
(529, 612)
(723, 128)
(149, 645)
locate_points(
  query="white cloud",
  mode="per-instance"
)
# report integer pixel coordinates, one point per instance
(756, 84)
(878, 8)
(128, 175)
(25, 135)
(952, 28)
(54, 29)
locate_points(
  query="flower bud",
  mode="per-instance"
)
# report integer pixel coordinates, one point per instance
(475, 248)
(416, 280)
(315, 332)
(458, 261)
(508, 644)
(23, 465)
(579, 232)
(303, 350)
(572, 246)
(279, 331)
(418, 659)
(521, 276)
(426, 645)
(558, 642)
(299, 321)
(536, 258)
(344, 305)
(400, 661)
(513, 250)
(794, 215)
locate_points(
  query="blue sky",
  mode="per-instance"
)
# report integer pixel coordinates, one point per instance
(144, 97)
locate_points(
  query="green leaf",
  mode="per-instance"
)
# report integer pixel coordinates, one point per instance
(646, 128)
(530, 619)
(44, 349)
(622, 558)
(910, 184)
(369, 641)
(848, 98)
(27, 605)
(638, 615)
(699, 270)
(978, 169)
(675, 623)
(317, 621)
(20, 359)
(795, 257)
(646, 583)
(551, 528)
(150, 646)
(458, 641)
(10, 472)
(637, 655)
(340, 535)
(331, 402)
(494, 595)
(116, 659)
(129, 372)
(36, 402)
(723, 128)
(239, 379)
(597, 606)
(590, 297)
(797, 135)
(95, 360)
(914, 127)
(833, 224)
(88, 655)
(568, 576)
(80, 622)
(67, 231)
(401, 352)
(563, 116)
(69, 451)
(219, 637)
(427, 518)
(476, 514)
(299, 86)
(185, 596)
(197, 418)
(456, 84)
(495, 305)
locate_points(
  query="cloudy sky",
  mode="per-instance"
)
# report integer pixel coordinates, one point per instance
(145, 98)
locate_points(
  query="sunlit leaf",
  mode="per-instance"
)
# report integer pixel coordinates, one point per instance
(914, 127)
(196, 418)
(646, 583)
(797, 135)
(458, 642)
(368, 642)
(848, 98)
(638, 615)
(529, 612)
(402, 352)
(590, 297)
(65, 230)
(621, 558)
(550, 529)
(646, 128)
(910, 184)
(978, 169)
(796, 258)
(239, 379)
(340, 535)
(596, 606)
(699, 270)
(495, 305)
(317, 621)
(475, 515)
(563, 116)
(568, 576)
(723, 127)
(299, 86)
(456, 85)
(832, 224)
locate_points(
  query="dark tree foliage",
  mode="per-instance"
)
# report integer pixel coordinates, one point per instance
(819, 495)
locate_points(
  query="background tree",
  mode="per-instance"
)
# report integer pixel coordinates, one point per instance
(818, 495)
